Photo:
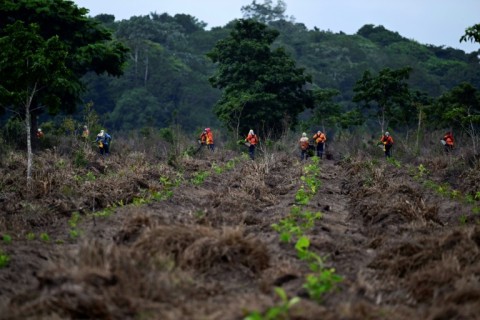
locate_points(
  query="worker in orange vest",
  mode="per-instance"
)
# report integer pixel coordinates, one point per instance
(304, 145)
(387, 142)
(252, 141)
(320, 139)
(448, 141)
(209, 139)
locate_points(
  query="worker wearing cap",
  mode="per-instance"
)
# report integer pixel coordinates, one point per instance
(387, 141)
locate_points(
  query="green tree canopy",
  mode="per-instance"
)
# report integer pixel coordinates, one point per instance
(460, 108)
(472, 34)
(45, 48)
(86, 47)
(388, 91)
(261, 86)
(266, 12)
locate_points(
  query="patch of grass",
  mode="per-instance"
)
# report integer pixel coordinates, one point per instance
(199, 177)
(162, 195)
(74, 219)
(138, 201)
(105, 213)
(217, 169)
(394, 162)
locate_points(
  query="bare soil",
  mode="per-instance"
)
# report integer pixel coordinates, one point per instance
(209, 251)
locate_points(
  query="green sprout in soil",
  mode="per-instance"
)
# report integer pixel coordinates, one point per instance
(7, 239)
(44, 237)
(74, 234)
(279, 312)
(30, 236)
(320, 283)
(4, 260)
(287, 228)
(302, 197)
(321, 280)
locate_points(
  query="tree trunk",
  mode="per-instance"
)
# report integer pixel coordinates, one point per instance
(28, 126)
(419, 126)
(145, 77)
(29, 147)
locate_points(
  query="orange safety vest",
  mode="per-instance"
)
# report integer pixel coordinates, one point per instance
(320, 138)
(252, 138)
(448, 139)
(387, 140)
(209, 137)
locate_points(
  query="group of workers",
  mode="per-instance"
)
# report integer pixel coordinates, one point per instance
(319, 138)
(386, 141)
(206, 139)
(103, 140)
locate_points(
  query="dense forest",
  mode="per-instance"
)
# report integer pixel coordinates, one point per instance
(167, 72)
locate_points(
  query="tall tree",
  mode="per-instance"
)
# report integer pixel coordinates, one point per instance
(261, 86)
(460, 107)
(387, 91)
(326, 111)
(266, 12)
(45, 48)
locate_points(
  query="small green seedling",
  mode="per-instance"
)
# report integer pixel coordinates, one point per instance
(280, 311)
(44, 237)
(4, 259)
(7, 239)
(320, 283)
(30, 236)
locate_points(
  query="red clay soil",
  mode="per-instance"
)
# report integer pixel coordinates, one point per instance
(209, 251)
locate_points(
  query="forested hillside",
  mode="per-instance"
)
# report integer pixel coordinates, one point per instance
(166, 79)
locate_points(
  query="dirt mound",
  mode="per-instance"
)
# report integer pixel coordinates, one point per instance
(438, 269)
(381, 198)
(204, 249)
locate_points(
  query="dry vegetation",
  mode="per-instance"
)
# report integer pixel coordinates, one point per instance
(153, 233)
